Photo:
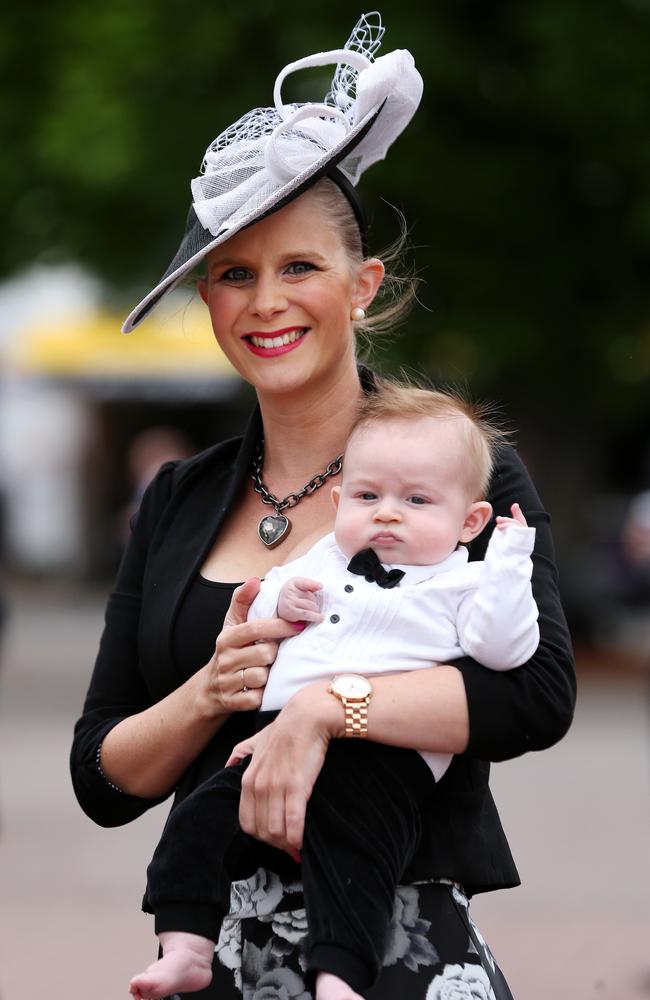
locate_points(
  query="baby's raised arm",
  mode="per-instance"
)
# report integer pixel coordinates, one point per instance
(517, 518)
(497, 623)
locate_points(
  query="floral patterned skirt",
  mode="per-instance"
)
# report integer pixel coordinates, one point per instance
(435, 952)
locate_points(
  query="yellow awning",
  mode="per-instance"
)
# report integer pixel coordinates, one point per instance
(177, 344)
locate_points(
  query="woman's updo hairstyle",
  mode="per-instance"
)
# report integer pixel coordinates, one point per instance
(398, 289)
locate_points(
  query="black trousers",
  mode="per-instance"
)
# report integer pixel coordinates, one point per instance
(361, 829)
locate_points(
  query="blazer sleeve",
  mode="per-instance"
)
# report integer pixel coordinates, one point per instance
(530, 708)
(117, 687)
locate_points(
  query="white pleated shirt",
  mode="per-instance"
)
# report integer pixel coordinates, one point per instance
(484, 609)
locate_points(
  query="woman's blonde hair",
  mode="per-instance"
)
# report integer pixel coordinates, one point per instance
(399, 286)
(481, 433)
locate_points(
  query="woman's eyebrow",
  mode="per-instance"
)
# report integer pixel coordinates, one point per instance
(297, 254)
(226, 262)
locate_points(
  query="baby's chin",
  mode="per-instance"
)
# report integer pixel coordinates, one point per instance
(396, 553)
(392, 558)
(399, 555)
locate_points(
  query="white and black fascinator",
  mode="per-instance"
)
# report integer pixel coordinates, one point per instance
(271, 155)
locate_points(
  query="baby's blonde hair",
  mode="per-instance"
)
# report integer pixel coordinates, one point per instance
(480, 430)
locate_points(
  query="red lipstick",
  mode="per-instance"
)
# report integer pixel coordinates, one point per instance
(274, 349)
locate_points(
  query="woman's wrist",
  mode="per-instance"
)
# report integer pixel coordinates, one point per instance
(315, 706)
(421, 709)
(208, 705)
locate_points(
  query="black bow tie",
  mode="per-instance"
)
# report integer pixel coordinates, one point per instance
(366, 563)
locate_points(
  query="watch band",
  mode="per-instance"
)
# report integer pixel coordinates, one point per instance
(356, 718)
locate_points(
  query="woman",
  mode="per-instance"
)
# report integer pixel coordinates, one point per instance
(180, 671)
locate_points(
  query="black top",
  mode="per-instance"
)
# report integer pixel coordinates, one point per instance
(199, 621)
(510, 712)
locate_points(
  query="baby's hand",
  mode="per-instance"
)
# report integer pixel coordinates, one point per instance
(517, 518)
(298, 602)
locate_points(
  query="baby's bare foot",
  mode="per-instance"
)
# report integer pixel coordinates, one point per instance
(330, 987)
(186, 966)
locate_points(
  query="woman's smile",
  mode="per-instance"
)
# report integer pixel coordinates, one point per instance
(269, 344)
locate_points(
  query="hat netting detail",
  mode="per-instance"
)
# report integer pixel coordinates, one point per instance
(366, 39)
(254, 125)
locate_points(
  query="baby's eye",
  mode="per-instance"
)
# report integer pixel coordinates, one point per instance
(236, 274)
(367, 496)
(300, 267)
(417, 499)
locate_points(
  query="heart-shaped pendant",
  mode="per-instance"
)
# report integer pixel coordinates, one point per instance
(273, 528)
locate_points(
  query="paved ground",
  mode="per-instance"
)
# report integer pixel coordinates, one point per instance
(577, 817)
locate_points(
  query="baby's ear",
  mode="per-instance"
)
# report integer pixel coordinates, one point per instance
(477, 517)
(202, 288)
(336, 496)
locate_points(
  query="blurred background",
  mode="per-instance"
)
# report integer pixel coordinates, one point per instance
(525, 180)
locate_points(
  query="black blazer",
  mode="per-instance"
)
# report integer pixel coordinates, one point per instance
(529, 708)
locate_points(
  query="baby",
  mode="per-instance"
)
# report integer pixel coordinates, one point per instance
(391, 590)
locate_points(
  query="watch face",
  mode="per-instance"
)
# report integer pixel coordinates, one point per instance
(351, 686)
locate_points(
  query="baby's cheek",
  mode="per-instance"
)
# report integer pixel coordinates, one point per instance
(347, 534)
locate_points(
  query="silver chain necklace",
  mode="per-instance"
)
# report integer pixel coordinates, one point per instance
(274, 527)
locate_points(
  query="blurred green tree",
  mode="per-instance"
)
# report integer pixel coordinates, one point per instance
(525, 174)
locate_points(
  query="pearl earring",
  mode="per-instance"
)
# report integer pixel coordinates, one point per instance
(358, 314)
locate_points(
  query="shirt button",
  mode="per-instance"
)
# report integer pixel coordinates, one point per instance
(348, 588)
(334, 619)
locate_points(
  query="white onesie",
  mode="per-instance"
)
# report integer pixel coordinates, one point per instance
(437, 613)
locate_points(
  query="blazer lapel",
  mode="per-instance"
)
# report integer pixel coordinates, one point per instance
(206, 490)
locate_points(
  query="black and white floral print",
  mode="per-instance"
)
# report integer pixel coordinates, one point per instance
(266, 980)
(290, 926)
(257, 896)
(408, 941)
(228, 948)
(434, 951)
(479, 941)
(461, 982)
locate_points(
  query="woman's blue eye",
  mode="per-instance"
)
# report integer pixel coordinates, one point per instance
(236, 274)
(300, 267)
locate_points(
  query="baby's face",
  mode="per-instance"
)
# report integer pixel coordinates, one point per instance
(403, 492)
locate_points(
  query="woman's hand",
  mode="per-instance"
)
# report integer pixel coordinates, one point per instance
(287, 758)
(236, 675)
(147, 754)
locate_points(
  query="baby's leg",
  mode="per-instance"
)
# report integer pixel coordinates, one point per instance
(362, 828)
(189, 885)
(185, 966)
(197, 858)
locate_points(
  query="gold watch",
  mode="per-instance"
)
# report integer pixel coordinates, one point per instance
(355, 692)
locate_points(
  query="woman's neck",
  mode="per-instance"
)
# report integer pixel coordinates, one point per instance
(308, 428)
